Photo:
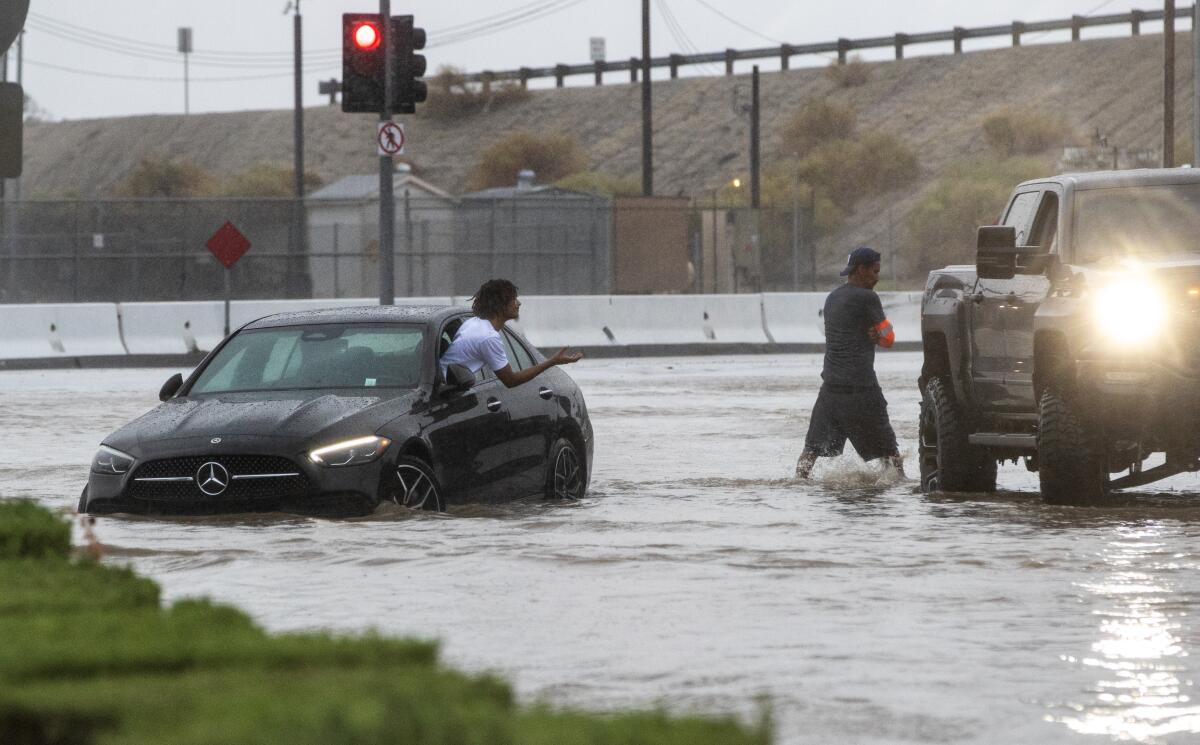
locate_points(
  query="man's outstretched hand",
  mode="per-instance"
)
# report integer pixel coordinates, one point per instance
(565, 357)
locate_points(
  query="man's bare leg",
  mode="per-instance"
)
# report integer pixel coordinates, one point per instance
(804, 465)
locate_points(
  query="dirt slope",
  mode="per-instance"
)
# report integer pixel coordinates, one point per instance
(936, 104)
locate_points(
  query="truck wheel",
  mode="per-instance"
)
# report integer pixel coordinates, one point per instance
(1071, 463)
(948, 461)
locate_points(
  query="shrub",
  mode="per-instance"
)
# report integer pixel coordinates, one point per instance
(595, 182)
(850, 75)
(941, 227)
(28, 531)
(1012, 132)
(267, 180)
(551, 157)
(818, 122)
(451, 97)
(158, 176)
(848, 170)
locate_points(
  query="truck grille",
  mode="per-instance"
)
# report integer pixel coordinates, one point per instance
(245, 477)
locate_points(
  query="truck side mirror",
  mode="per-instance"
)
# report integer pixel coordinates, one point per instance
(996, 252)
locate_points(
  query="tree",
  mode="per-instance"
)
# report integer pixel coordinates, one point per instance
(819, 121)
(551, 157)
(158, 176)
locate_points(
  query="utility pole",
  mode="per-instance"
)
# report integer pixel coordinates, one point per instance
(754, 141)
(299, 219)
(21, 82)
(1168, 156)
(185, 48)
(1196, 84)
(647, 134)
(387, 203)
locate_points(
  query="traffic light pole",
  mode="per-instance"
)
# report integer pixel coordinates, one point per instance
(387, 202)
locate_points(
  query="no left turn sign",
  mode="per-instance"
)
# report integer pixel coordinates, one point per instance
(390, 138)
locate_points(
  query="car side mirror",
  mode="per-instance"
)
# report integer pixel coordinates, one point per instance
(996, 252)
(171, 387)
(458, 378)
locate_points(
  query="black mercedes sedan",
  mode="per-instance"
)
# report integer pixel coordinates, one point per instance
(336, 411)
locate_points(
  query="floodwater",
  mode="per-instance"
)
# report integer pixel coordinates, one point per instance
(699, 575)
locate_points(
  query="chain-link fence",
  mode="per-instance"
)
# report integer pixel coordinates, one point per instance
(563, 244)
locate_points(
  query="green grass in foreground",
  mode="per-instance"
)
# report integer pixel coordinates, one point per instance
(89, 658)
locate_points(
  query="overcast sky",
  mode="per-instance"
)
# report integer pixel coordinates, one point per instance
(85, 59)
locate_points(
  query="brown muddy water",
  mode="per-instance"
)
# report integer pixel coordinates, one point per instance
(699, 575)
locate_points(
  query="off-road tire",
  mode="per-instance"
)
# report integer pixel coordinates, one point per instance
(82, 506)
(566, 474)
(947, 461)
(1071, 464)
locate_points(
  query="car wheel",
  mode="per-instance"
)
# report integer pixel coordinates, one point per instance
(416, 485)
(82, 506)
(1071, 464)
(947, 461)
(565, 478)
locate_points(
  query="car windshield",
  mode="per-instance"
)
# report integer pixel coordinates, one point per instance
(319, 356)
(1136, 221)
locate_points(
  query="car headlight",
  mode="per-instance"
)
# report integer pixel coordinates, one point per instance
(1130, 311)
(350, 452)
(111, 461)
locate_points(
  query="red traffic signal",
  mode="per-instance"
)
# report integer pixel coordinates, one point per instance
(366, 36)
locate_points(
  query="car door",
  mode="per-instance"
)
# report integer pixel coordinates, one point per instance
(989, 306)
(470, 432)
(1030, 287)
(531, 410)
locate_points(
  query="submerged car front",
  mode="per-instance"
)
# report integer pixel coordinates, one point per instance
(283, 417)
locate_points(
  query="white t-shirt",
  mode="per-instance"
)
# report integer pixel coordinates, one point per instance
(477, 343)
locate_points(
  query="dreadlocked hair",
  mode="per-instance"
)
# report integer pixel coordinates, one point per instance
(492, 297)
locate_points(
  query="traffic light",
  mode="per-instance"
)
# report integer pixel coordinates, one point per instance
(408, 90)
(12, 110)
(363, 66)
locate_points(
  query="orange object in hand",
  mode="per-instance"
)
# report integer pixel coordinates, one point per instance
(885, 335)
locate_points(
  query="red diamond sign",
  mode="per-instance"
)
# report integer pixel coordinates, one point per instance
(228, 245)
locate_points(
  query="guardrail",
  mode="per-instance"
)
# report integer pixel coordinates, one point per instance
(169, 333)
(842, 47)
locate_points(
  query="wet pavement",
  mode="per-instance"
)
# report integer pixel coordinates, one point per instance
(699, 575)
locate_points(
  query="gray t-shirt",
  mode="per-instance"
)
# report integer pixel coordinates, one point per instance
(849, 313)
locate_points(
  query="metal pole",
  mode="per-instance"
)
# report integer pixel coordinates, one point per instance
(811, 233)
(647, 118)
(387, 203)
(796, 238)
(228, 295)
(754, 140)
(299, 221)
(408, 245)
(186, 102)
(1168, 155)
(1195, 83)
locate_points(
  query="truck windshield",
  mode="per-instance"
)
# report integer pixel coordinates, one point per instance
(1136, 221)
(318, 356)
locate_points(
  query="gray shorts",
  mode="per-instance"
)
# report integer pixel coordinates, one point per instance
(858, 414)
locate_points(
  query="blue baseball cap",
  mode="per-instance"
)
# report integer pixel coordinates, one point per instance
(859, 256)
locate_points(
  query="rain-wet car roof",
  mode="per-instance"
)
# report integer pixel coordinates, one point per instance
(1132, 177)
(359, 314)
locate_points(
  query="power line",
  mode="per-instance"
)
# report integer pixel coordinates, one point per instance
(675, 28)
(740, 25)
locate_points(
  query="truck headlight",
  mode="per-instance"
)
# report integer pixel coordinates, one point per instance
(111, 461)
(350, 452)
(1130, 311)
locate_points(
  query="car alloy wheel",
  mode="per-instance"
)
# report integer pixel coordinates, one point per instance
(567, 474)
(416, 487)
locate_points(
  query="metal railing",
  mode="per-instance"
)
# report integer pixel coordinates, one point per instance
(842, 47)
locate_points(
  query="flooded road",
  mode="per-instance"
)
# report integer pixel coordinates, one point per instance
(698, 574)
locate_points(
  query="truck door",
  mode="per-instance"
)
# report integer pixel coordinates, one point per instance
(990, 301)
(1030, 287)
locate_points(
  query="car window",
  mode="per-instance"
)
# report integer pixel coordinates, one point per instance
(1045, 227)
(517, 356)
(317, 356)
(1020, 214)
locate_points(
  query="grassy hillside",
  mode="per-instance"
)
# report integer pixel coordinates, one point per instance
(934, 104)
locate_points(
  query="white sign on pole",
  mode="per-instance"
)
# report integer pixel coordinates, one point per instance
(598, 50)
(389, 138)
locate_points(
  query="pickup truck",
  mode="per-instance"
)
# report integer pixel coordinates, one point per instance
(1073, 343)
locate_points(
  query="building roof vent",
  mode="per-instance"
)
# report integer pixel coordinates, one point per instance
(525, 180)
(404, 169)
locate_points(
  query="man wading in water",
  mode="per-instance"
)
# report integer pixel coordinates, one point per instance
(850, 404)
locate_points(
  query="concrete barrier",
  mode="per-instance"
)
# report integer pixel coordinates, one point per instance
(40, 331)
(687, 319)
(563, 320)
(795, 317)
(172, 328)
(903, 309)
